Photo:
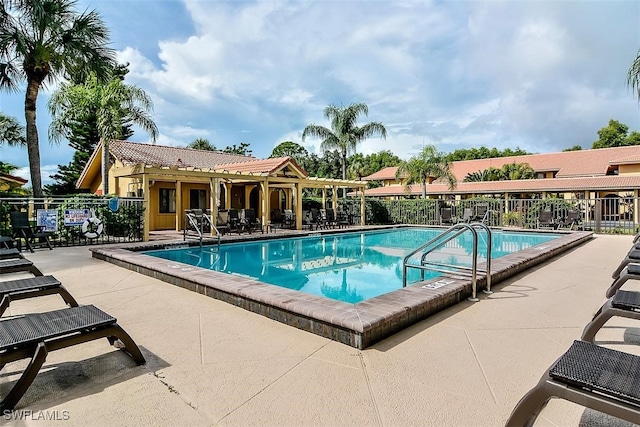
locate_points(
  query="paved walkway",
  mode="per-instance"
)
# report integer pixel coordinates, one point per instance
(213, 364)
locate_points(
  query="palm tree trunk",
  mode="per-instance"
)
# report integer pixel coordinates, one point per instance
(424, 189)
(344, 172)
(33, 147)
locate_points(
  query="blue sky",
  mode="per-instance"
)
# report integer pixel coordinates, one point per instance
(539, 75)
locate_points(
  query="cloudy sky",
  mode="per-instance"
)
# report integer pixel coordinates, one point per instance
(539, 75)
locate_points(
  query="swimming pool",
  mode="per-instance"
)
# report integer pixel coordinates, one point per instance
(348, 267)
(358, 324)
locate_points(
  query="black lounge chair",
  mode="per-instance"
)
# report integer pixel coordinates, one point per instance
(250, 221)
(222, 222)
(19, 265)
(596, 377)
(622, 304)
(10, 253)
(33, 238)
(545, 219)
(630, 271)
(7, 242)
(35, 335)
(13, 290)
(632, 256)
(446, 217)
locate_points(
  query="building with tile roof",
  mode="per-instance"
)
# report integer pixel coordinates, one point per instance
(589, 173)
(10, 182)
(173, 180)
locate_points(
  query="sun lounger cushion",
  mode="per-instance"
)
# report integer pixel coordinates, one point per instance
(18, 265)
(32, 287)
(34, 335)
(10, 253)
(596, 377)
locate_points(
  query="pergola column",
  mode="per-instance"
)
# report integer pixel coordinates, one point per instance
(178, 205)
(266, 202)
(298, 188)
(214, 188)
(147, 210)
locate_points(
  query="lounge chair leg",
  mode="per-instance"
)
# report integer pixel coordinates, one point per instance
(35, 270)
(20, 388)
(600, 318)
(617, 284)
(66, 296)
(529, 407)
(117, 333)
(6, 300)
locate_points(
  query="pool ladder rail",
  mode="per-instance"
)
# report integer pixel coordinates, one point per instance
(196, 221)
(439, 241)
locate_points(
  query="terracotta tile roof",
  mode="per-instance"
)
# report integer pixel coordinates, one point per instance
(624, 182)
(12, 178)
(133, 153)
(267, 166)
(566, 163)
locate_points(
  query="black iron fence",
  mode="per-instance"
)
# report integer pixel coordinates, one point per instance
(613, 215)
(79, 220)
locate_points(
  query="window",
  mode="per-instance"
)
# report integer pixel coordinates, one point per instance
(197, 199)
(167, 200)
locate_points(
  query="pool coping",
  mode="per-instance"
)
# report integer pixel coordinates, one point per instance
(358, 325)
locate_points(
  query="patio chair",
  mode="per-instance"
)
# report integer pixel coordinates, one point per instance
(445, 216)
(17, 265)
(248, 218)
(467, 215)
(13, 290)
(276, 218)
(234, 221)
(572, 219)
(622, 304)
(545, 219)
(589, 375)
(631, 271)
(35, 335)
(289, 219)
(331, 219)
(481, 212)
(307, 221)
(10, 253)
(22, 229)
(222, 222)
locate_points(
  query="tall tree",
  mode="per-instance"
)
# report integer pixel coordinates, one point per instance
(242, 149)
(202, 144)
(344, 134)
(114, 104)
(612, 135)
(291, 149)
(426, 167)
(41, 41)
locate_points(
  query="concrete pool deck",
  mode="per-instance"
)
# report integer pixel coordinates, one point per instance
(211, 363)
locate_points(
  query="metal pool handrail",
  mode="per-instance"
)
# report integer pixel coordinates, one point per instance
(440, 240)
(197, 221)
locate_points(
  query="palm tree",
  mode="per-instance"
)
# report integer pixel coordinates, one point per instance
(633, 76)
(114, 106)
(11, 131)
(202, 144)
(41, 41)
(344, 135)
(427, 166)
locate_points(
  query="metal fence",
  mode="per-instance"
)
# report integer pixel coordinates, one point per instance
(79, 220)
(613, 215)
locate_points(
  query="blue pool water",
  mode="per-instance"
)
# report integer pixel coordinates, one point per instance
(349, 267)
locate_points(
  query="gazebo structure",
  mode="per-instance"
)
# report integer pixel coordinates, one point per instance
(174, 179)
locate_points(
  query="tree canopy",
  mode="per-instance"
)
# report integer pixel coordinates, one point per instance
(508, 171)
(483, 153)
(41, 41)
(202, 144)
(429, 165)
(616, 134)
(344, 134)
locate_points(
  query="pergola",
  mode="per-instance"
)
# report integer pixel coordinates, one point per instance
(287, 177)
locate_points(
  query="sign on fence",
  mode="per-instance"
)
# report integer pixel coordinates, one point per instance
(47, 219)
(75, 216)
